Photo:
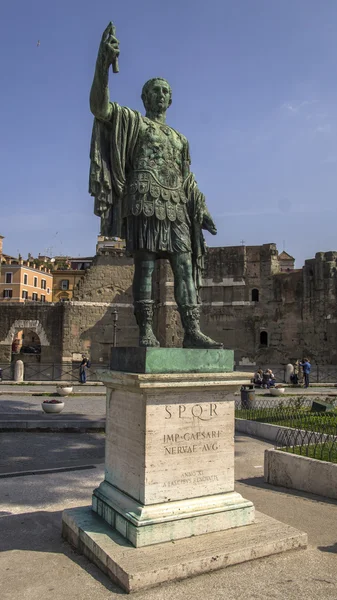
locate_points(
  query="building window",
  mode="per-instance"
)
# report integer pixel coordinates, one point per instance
(35, 281)
(34, 296)
(65, 284)
(255, 295)
(43, 298)
(48, 290)
(25, 279)
(9, 278)
(263, 338)
(7, 293)
(24, 294)
(43, 284)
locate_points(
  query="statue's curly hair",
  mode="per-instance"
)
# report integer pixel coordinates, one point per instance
(148, 84)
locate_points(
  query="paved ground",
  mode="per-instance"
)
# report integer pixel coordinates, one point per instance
(31, 405)
(10, 388)
(36, 563)
(21, 451)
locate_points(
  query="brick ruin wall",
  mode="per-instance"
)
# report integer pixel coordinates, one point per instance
(297, 309)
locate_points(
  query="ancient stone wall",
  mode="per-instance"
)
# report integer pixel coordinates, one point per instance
(88, 321)
(46, 320)
(265, 315)
(319, 311)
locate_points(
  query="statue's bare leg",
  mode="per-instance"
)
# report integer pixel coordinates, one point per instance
(186, 299)
(142, 296)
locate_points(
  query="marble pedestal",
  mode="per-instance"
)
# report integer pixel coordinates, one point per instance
(169, 477)
(169, 461)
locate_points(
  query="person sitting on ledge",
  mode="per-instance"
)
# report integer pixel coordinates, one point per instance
(268, 379)
(258, 378)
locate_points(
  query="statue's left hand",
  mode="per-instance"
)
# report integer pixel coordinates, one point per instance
(208, 224)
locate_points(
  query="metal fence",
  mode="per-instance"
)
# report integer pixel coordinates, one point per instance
(272, 409)
(50, 372)
(56, 371)
(315, 436)
(304, 429)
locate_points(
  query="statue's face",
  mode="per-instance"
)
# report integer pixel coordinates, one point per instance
(158, 96)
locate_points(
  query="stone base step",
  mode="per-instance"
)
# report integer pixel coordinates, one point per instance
(138, 568)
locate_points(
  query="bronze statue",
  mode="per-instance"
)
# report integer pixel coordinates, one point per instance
(144, 192)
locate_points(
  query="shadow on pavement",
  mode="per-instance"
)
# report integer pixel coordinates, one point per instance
(332, 549)
(21, 451)
(41, 532)
(259, 482)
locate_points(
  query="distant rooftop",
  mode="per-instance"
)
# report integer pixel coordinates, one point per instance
(285, 256)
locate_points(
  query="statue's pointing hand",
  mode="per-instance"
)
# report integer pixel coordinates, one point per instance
(208, 224)
(109, 47)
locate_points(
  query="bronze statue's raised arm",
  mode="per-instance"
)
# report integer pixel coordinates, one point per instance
(107, 55)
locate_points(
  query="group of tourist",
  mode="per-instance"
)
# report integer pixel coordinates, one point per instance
(301, 367)
(264, 379)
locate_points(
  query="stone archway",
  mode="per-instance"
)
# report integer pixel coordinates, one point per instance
(32, 325)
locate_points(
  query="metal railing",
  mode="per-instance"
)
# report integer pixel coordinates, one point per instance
(272, 409)
(7, 372)
(315, 436)
(304, 429)
(50, 372)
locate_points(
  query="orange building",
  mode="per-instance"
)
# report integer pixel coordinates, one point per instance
(64, 283)
(23, 281)
(67, 273)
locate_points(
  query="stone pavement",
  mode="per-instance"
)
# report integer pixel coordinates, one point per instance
(36, 563)
(81, 413)
(27, 451)
(10, 388)
(74, 405)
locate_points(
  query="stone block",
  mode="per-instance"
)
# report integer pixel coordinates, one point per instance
(300, 473)
(169, 460)
(140, 568)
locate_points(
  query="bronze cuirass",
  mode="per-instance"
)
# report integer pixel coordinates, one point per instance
(155, 179)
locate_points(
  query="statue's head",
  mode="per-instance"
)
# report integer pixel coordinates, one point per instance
(157, 95)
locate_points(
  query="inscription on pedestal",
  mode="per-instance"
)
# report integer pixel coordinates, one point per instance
(193, 447)
(175, 443)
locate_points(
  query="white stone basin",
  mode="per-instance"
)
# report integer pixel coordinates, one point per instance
(64, 390)
(277, 391)
(52, 408)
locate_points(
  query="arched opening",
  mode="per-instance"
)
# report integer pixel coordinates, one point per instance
(26, 341)
(263, 338)
(255, 295)
(64, 297)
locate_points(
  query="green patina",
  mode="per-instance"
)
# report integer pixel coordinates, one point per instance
(145, 192)
(172, 360)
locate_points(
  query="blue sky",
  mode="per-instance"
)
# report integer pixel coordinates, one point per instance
(254, 90)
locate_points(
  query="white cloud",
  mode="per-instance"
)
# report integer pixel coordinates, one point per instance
(323, 128)
(296, 109)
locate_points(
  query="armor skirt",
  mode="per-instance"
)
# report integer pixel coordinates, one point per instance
(154, 235)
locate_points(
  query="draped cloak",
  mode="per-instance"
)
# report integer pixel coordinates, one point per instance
(112, 146)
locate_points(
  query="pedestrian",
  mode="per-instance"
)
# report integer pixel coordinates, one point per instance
(85, 364)
(266, 379)
(272, 380)
(0, 374)
(306, 366)
(258, 377)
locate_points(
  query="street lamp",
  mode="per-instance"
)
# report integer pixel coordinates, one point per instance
(115, 319)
